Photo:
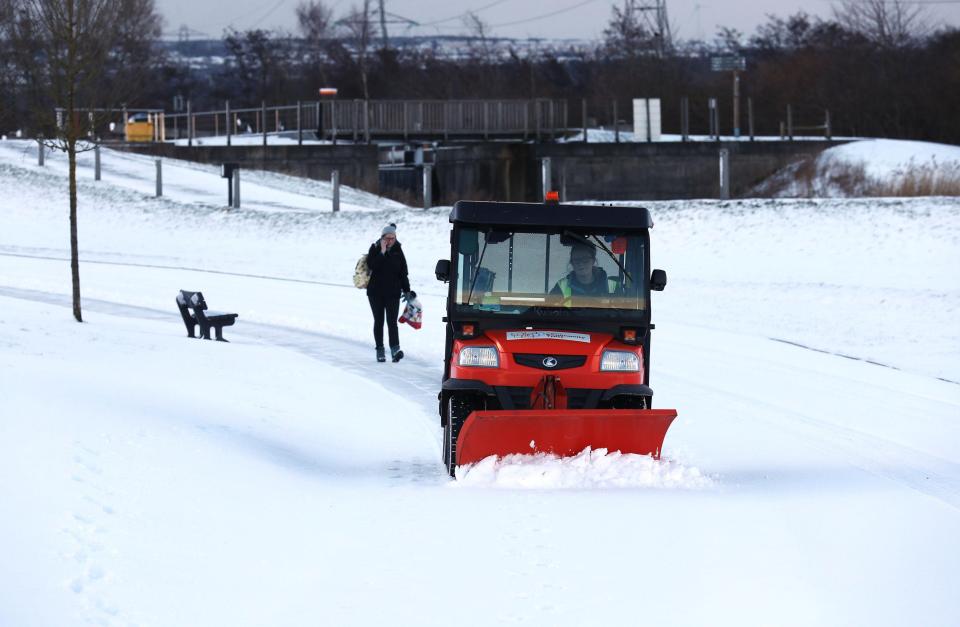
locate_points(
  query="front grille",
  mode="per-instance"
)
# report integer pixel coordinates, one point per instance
(564, 362)
(513, 397)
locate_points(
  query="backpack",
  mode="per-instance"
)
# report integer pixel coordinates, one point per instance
(361, 274)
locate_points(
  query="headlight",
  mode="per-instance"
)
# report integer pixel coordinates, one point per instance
(619, 361)
(479, 356)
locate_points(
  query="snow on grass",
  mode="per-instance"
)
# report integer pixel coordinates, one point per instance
(589, 469)
(871, 167)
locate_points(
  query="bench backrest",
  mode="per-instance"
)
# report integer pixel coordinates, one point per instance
(191, 300)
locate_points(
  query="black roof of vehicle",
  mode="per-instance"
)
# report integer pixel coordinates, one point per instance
(550, 215)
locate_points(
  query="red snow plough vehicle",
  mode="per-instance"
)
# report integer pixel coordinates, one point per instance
(548, 332)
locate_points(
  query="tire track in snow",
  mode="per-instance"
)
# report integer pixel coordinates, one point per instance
(412, 379)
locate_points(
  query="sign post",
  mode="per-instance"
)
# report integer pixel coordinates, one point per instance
(735, 64)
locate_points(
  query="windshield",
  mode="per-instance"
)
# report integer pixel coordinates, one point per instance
(514, 272)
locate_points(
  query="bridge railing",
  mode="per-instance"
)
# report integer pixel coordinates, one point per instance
(367, 120)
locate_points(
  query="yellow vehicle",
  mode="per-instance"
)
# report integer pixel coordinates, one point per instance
(139, 128)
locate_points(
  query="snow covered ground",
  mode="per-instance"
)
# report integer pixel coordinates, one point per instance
(286, 478)
(871, 167)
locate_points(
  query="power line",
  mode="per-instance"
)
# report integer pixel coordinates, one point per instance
(545, 15)
(464, 14)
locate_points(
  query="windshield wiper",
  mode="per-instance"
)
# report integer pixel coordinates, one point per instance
(476, 272)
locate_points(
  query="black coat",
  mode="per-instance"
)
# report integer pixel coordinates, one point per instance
(388, 272)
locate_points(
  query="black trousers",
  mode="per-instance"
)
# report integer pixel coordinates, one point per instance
(390, 306)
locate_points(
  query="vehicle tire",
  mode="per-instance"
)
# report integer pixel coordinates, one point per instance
(458, 408)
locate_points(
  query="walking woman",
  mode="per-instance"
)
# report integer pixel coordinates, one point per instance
(388, 281)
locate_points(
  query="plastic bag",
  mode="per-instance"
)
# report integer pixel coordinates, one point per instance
(413, 311)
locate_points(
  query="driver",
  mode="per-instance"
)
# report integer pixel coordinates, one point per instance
(587, 278)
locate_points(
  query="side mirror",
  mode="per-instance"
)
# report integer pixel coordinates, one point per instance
(443, 270)
(658, 280)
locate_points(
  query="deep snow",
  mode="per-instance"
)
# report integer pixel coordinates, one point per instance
(286, 478)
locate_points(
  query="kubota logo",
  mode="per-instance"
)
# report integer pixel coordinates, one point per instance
(550, 362)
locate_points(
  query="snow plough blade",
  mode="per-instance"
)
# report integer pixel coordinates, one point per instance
(563, 432)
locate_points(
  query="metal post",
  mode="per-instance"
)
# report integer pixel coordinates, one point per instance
(790, 122)
(96, 162)
(649, 121)
(263, 120)
(536, 117)
(545, 177)
(159, 178)
(736, 104)
(300, 123)
(190, 126)
(227, 122)
(583, 119)
(427, 185)
(356, 120)
(366, 121)
(230, 190)
(750, 117)
(236, 188)
(333, 120)
(826, 124)
(40, 154)
(616, 123)
(685, 119)
(724, 174)
(335, 183)
(712, 110)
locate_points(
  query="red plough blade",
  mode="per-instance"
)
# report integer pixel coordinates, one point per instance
(563, 432)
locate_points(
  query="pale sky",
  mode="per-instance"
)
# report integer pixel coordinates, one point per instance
(579, 19)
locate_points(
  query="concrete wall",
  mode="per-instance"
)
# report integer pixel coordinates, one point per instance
(357, 163)
(666, 170)
(511, 171)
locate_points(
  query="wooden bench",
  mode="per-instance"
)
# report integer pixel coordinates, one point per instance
(193, 309)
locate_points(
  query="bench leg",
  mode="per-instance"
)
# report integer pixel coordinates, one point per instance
(205, 331)
(219, 330)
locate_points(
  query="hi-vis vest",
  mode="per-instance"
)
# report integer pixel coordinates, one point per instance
(567, 290)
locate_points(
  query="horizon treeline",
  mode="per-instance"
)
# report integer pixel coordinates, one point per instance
(876, 66)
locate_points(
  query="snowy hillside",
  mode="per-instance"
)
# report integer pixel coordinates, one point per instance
(812, 476)
(871, 167)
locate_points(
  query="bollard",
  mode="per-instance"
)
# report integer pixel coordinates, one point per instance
(236, 188)
(96, 162)
(159, 178)
(724, 174)
(335, 182)
(40, 153)
(545, 177)
(427, 185)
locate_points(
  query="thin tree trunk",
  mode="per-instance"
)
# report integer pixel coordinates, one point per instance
(74, 248)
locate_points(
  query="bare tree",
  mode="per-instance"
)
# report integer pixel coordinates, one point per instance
(480, 46)
(72, 55)
(315, 23)
(887, 23)
(359, 25)
(626, 34)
